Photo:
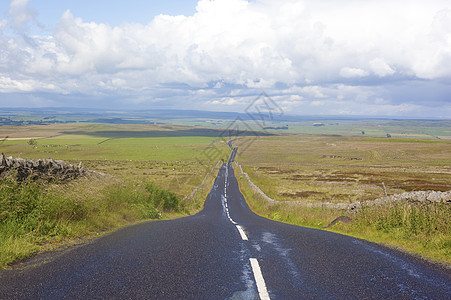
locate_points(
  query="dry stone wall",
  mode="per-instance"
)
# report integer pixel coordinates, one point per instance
(417, 196)
(34, 169)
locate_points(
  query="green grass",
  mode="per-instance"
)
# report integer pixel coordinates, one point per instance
(36, 216)
(86, 147)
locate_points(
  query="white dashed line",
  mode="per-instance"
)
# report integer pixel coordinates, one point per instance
(259, 280)
(242, 233)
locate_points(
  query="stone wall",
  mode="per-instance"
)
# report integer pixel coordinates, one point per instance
(417, 196)
(34, 169)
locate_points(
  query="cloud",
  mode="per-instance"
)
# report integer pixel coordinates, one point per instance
(348, 72)
(20, 14)
(381, 68)
(336, 53)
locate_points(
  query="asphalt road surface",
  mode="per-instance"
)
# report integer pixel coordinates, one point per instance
(227, 252)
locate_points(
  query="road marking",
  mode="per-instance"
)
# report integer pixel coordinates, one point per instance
(226, 206)
(259, 280)
(242, 233)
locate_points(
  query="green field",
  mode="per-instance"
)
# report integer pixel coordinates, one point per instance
(112, 149)
(135, 180)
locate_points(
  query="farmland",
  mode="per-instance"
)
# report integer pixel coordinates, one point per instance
(160, 159)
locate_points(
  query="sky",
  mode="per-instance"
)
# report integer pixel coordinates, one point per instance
(388, 58)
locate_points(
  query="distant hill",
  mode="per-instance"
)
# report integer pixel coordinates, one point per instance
(52, 115)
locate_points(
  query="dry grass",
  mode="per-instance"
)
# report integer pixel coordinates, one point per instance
(318, 169)
(343, 169)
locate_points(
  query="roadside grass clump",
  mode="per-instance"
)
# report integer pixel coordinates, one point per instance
(149, 203)
(422, 228)
(39, 216)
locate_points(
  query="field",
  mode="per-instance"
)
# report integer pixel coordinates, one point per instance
(159, 153)
(143, 172)
(302, 169)
(312, 168)
(413, 129)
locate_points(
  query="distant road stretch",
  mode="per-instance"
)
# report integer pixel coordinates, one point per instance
(227, 252)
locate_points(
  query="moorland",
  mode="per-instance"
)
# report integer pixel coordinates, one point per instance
(305, 174)
(164, 167)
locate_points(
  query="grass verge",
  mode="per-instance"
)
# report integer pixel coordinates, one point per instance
(37, 216)
(421, 229)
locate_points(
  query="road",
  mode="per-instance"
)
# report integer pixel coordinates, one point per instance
(227, 252)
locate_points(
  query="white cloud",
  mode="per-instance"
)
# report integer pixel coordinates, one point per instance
(3, 23)
(432, 59)
(348, 72)
(230, 48)
(8, 84)
(296, 98)
(314, 91)
(20, 13)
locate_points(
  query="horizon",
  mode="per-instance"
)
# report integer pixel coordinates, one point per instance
(380, 59)
(236, 113)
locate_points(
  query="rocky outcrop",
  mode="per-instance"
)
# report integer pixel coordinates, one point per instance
(34, 169)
